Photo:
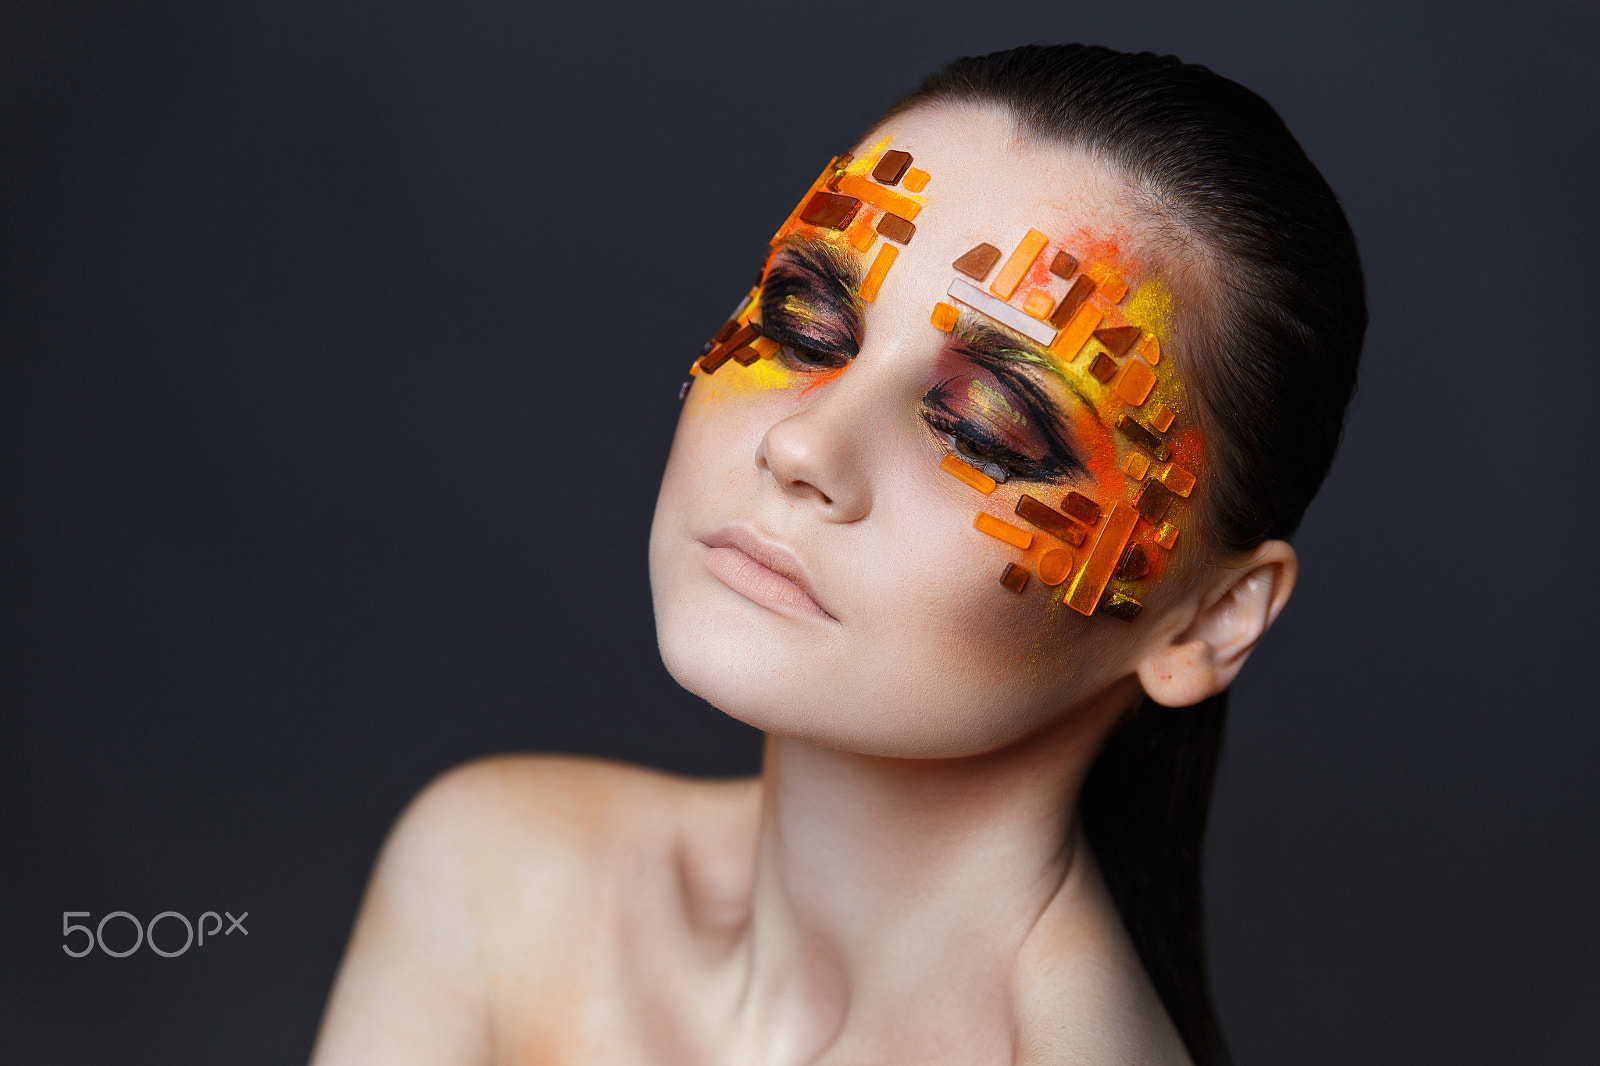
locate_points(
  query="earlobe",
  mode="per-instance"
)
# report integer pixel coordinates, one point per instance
(1231, 615)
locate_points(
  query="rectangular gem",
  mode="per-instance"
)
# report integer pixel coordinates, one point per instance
(1050, 520)
(722, 352)
(1063, 265)
(891, 166)
(1134, 431)
(1167, 535)
(766, 347)
(1086, 588)
(1081, 507)
(1102, 367)
(742, 336)
(1014, 577)
(1136, 466)
(714, 359)
(997, 527)
(1133, 385)
(827, 172)
(967, 473)
(1113, 288)
(1177, 479)
(1072, 301)
(1153, 500)
(945, 316)
(862, 235)
(746, 355)
(840, 164)
(1162, 418)
(880, 266)
(830, 210)
(915, 180)
(1028, 249)
(1038, 304)
(1001, 311)
(1070, 341)
(896, 228)
(878, 196)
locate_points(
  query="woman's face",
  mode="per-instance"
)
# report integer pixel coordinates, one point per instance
(838, 552)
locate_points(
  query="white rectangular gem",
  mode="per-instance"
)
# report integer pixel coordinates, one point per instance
(1002, 312)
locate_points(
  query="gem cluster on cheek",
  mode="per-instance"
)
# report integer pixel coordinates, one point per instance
(1111, 347)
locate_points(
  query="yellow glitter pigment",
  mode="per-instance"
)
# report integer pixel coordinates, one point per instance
(1150, 308)
(990, 400)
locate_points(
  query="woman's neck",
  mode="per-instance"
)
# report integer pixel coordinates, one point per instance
(892, 896)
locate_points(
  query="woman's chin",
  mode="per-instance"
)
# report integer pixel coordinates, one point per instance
(812, 702)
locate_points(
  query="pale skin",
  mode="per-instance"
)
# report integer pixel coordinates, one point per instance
(907, 881)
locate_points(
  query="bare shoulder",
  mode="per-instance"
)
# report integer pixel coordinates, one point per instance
(494, 867)
(1082, 994)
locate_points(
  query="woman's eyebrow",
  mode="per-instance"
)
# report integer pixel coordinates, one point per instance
(811, 295)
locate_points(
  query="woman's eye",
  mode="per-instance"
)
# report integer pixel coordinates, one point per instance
(970, 450)
(811, 359)
(984, 459)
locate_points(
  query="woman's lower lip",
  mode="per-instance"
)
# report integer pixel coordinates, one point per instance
(760, 585)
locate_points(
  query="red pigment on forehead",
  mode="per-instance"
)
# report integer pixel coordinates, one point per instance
(1089, 246)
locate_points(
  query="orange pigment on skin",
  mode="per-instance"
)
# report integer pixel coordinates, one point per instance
(825, 377)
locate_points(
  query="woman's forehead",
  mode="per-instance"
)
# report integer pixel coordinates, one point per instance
(991, 175)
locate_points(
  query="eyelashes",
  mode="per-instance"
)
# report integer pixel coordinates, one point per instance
(1017, 371)
(976, 442)
(810, 303)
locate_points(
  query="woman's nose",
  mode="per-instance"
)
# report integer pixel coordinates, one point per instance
(815, 456)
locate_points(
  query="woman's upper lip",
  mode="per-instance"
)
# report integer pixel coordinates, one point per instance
(770, 554)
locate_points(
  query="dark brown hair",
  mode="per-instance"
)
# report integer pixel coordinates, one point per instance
(1271, 354)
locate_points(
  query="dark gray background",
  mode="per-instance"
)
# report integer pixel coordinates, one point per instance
(340, 351)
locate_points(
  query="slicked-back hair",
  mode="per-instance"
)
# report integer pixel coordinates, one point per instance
(1273, 315)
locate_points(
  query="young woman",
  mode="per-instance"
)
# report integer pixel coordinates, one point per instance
(977, 506)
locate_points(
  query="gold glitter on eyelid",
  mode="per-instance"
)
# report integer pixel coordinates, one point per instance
(802, 312)
(985, 397)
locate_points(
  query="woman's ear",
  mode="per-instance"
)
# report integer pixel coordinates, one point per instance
(1234, 610)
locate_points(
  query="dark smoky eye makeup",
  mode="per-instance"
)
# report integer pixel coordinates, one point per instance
(809, 304)
(981, 426)
(994, 406)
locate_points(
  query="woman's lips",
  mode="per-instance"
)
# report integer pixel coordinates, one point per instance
(762, 572)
